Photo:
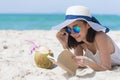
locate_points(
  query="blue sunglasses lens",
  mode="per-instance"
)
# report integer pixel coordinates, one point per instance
(76, 29)
(68, 30)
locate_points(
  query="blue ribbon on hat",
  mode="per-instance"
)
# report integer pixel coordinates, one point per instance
(93, 19)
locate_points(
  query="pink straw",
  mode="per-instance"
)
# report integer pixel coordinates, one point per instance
(35, 46)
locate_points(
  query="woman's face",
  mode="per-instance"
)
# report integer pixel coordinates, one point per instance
(79, 36)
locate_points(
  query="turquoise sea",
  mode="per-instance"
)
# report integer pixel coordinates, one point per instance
(46, 21)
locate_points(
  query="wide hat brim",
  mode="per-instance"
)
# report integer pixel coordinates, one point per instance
(95, 26)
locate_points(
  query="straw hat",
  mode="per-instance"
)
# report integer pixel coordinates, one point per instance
(74, 13)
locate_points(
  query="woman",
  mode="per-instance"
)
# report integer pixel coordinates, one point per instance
(92, 46)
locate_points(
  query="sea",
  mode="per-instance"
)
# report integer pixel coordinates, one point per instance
(47, 21)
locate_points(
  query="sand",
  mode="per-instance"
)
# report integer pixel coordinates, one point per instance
(16, 62)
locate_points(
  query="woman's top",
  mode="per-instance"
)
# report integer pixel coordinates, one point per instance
(115, 57)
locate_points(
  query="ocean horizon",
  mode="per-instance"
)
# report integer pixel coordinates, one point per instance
(47, 21)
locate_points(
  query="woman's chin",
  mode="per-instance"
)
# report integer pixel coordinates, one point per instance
(78, 40)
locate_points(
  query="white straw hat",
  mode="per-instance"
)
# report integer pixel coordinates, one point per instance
(74, 13)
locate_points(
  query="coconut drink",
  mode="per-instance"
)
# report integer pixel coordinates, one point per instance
(41, 59)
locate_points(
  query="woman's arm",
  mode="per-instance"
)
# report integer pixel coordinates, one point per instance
(62, 36)
(78, 51)
(89, 63)
(105, 47)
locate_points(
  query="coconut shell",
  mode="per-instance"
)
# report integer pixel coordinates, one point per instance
(42, 61)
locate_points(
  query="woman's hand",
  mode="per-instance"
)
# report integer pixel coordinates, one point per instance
(79, 61)
(82, 61)
(62, 36)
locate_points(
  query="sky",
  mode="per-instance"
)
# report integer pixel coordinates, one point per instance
(58, 6)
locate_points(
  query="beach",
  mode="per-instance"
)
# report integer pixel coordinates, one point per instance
(17, 62)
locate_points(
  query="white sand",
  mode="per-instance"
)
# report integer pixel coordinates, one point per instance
(17, 64)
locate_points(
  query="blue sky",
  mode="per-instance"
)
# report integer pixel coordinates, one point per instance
(58, 6)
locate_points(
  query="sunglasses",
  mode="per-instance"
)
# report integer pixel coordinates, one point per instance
(76, 29)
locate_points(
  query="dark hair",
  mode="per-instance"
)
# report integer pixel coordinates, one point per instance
(91, 35)
(72, 43)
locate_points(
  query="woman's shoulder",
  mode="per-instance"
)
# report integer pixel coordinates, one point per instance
(104, 41)
(101, 36)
